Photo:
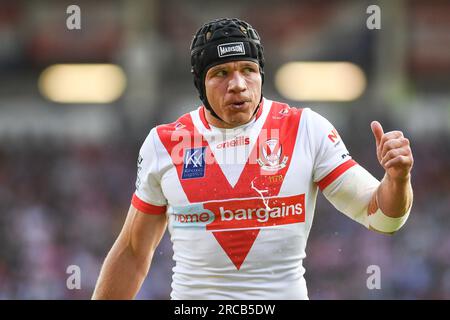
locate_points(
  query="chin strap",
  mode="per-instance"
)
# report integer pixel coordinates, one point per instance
(211, 111)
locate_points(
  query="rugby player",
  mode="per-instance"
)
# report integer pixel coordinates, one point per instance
(235, 182)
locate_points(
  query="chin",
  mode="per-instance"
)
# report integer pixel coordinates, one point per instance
(241, 119)
(240, 116)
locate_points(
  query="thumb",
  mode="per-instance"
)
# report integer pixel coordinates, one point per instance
(377, 130)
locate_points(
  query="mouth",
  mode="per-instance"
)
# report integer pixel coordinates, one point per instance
(238, 104)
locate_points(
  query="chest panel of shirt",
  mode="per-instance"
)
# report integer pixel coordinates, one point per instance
(214, 185)
(255, 185)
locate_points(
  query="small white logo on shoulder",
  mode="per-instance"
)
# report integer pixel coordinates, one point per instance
(231, 49)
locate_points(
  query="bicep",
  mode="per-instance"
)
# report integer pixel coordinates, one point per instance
(146, 221)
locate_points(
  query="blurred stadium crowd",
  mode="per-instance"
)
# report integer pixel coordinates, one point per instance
(65, 189)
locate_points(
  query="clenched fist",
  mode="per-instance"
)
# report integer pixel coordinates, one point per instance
(393, 152)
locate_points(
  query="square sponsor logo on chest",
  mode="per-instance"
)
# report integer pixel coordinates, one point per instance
(194, 163)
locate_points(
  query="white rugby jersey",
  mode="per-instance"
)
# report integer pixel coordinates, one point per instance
(239, 202)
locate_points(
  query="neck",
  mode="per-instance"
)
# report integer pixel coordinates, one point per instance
(222, 124)
(225, 125)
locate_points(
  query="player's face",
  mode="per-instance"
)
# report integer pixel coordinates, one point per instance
(233, 90)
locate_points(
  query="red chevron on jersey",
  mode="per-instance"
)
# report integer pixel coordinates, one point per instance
(271, 155)
(236, 244)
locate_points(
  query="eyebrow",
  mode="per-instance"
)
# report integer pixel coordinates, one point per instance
(244, 64)
(215, 68)
(249, 64)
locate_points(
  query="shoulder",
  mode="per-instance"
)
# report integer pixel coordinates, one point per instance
(283, 111)
(310, 123)
(313, 120)
(280, 110)
(182, 125)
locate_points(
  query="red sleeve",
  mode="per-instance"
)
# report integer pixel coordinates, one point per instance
(147, 207)
(333, 175)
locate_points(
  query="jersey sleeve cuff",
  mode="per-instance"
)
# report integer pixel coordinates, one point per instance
(333, 175)
(147, 207)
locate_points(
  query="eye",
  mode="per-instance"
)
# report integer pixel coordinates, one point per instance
(220, 73)
(249, 69)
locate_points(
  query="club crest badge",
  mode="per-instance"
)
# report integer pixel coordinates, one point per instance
(271, 153)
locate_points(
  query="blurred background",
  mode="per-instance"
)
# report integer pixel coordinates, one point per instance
(70, 134)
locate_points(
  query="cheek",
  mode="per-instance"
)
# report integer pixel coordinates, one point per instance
(255, 82)
(256, 87)
(214, 92)
(209, 89)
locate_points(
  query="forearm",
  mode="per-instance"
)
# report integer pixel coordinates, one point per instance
(394, 196)
(122, 274)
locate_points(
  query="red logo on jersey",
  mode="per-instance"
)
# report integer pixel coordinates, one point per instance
(238, 141)
(334, 136)
(256, 212)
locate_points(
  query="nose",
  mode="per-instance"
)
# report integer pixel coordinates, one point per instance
(237, 83)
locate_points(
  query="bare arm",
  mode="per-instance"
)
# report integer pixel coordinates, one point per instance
(393, 197)
(129, 259)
